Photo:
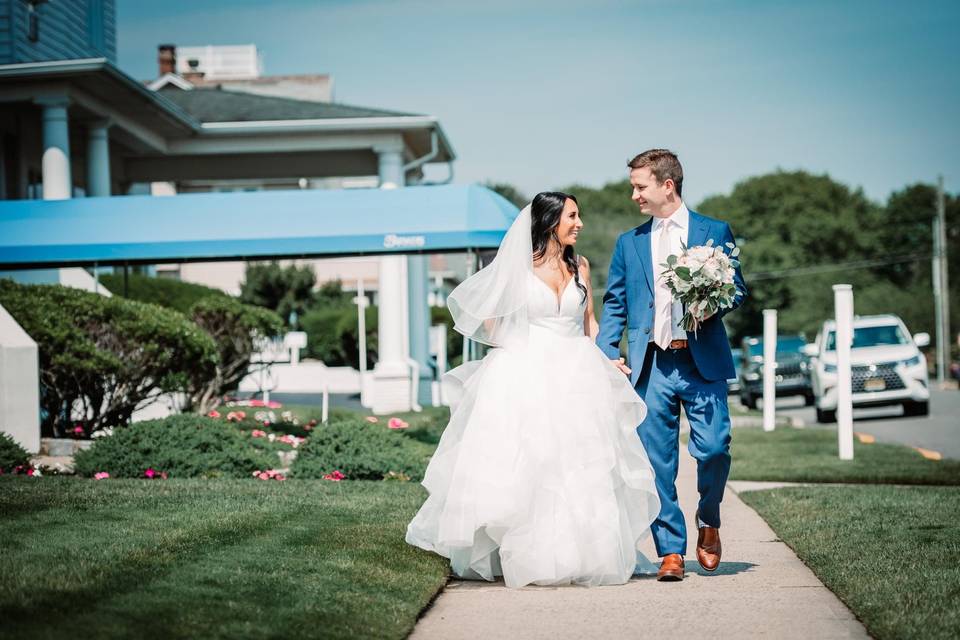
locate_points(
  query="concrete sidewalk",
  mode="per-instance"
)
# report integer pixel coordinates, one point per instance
(760, 590)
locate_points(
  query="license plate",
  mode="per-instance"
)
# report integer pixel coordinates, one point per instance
(874, 384)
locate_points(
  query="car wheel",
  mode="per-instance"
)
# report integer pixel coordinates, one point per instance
(808, 400)
(826, 415)
(749, 401)
(916, 408)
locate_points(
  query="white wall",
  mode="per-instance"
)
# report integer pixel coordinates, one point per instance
(19, 384)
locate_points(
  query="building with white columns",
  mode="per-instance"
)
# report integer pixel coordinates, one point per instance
(73, 125)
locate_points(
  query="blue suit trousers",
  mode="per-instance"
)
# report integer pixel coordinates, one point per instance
(670, 379)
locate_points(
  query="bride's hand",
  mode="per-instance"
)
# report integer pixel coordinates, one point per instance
(620, 364)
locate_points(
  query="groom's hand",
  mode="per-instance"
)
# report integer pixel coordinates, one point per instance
(620, 364)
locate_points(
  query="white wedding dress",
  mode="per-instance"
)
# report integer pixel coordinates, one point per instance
(540, 475)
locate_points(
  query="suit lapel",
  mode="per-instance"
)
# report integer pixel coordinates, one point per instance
(697, 230)
(641, 242)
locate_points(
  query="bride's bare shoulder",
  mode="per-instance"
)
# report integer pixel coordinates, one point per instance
(584, 264)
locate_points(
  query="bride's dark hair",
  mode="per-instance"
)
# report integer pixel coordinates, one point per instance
(545, 214)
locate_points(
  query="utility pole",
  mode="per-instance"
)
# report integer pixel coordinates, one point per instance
(943, 284)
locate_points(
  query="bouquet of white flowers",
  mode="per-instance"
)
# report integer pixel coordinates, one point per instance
(702, 279)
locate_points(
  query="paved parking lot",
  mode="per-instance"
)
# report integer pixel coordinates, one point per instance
(940, 431)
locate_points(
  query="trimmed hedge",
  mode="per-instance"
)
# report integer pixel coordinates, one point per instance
(183, 446)
(102, 358)
(166, 292)
(11, 454)
(332, 335)
(361, 451)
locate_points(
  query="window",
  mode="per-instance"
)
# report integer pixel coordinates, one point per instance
(870, 337)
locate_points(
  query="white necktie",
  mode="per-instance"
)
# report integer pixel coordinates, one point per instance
(663, 322)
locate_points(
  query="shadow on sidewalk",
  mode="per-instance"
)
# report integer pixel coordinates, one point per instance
(725, 568)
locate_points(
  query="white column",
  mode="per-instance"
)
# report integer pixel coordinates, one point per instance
(843, 304)
(98, 159)
(769, 369)
(391, 375)
(418, 288)
(57, 184)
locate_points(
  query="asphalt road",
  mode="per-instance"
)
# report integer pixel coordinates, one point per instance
(940, 431)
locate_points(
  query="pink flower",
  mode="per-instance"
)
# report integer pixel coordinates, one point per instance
(78, 430)
(308, 427)
(372, 419)
(280, 477)
(256, 473)
(214, 414)
(264, 476)
(30, 472)
(101, 475)
(150, 473)
(257, 433)
(274, 405)
(163, 475)
(233, 417)
(257, 403)
(335, 476)
(266, 423)
(397, 423)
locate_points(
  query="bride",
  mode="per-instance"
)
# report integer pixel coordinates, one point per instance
(540, 475)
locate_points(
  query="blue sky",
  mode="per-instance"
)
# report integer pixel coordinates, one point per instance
(545, 94)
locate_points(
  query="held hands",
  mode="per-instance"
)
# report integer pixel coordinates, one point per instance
(620, 364)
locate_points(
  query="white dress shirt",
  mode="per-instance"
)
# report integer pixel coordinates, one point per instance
(679, 223)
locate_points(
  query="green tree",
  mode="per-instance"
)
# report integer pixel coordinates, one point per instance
(281, 289)
(509, 192)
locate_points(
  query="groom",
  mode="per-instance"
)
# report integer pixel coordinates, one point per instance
(669, 367)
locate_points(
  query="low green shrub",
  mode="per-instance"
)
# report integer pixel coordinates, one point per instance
(361, 451)
(183, 446)
(102, 358)
(166, 292)
(11, 454)
(426, 426)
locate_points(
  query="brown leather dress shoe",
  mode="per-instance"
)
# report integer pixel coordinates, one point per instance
(708, 548)
(671, 569)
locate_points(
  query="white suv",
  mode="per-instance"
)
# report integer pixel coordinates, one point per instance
(887, 367)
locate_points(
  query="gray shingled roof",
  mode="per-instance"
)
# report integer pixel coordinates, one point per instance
(220, 105)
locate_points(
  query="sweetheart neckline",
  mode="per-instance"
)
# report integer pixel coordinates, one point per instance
(559, 298)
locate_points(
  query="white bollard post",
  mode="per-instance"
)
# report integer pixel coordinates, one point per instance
(325, 407)
(769, 368)
(843, 305)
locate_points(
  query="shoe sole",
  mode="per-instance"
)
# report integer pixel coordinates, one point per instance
(669, 578)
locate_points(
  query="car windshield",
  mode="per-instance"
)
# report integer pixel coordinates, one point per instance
(785, 344)
(871, 337)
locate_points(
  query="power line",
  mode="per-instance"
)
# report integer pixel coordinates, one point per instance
(837, 266)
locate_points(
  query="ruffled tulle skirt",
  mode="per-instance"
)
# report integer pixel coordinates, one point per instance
(540, 475)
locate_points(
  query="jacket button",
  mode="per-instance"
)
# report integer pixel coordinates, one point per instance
(646, 329)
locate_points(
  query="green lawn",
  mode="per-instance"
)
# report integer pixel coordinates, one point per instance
(211, 559)
(810, 455)
(892, 554)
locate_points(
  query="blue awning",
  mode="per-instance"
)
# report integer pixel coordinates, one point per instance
(250, 226)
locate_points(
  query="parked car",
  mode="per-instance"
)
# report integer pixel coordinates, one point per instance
(887, 367)
(733, 384)
(792, 367)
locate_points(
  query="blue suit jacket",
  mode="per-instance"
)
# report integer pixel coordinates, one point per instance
(629, 301)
